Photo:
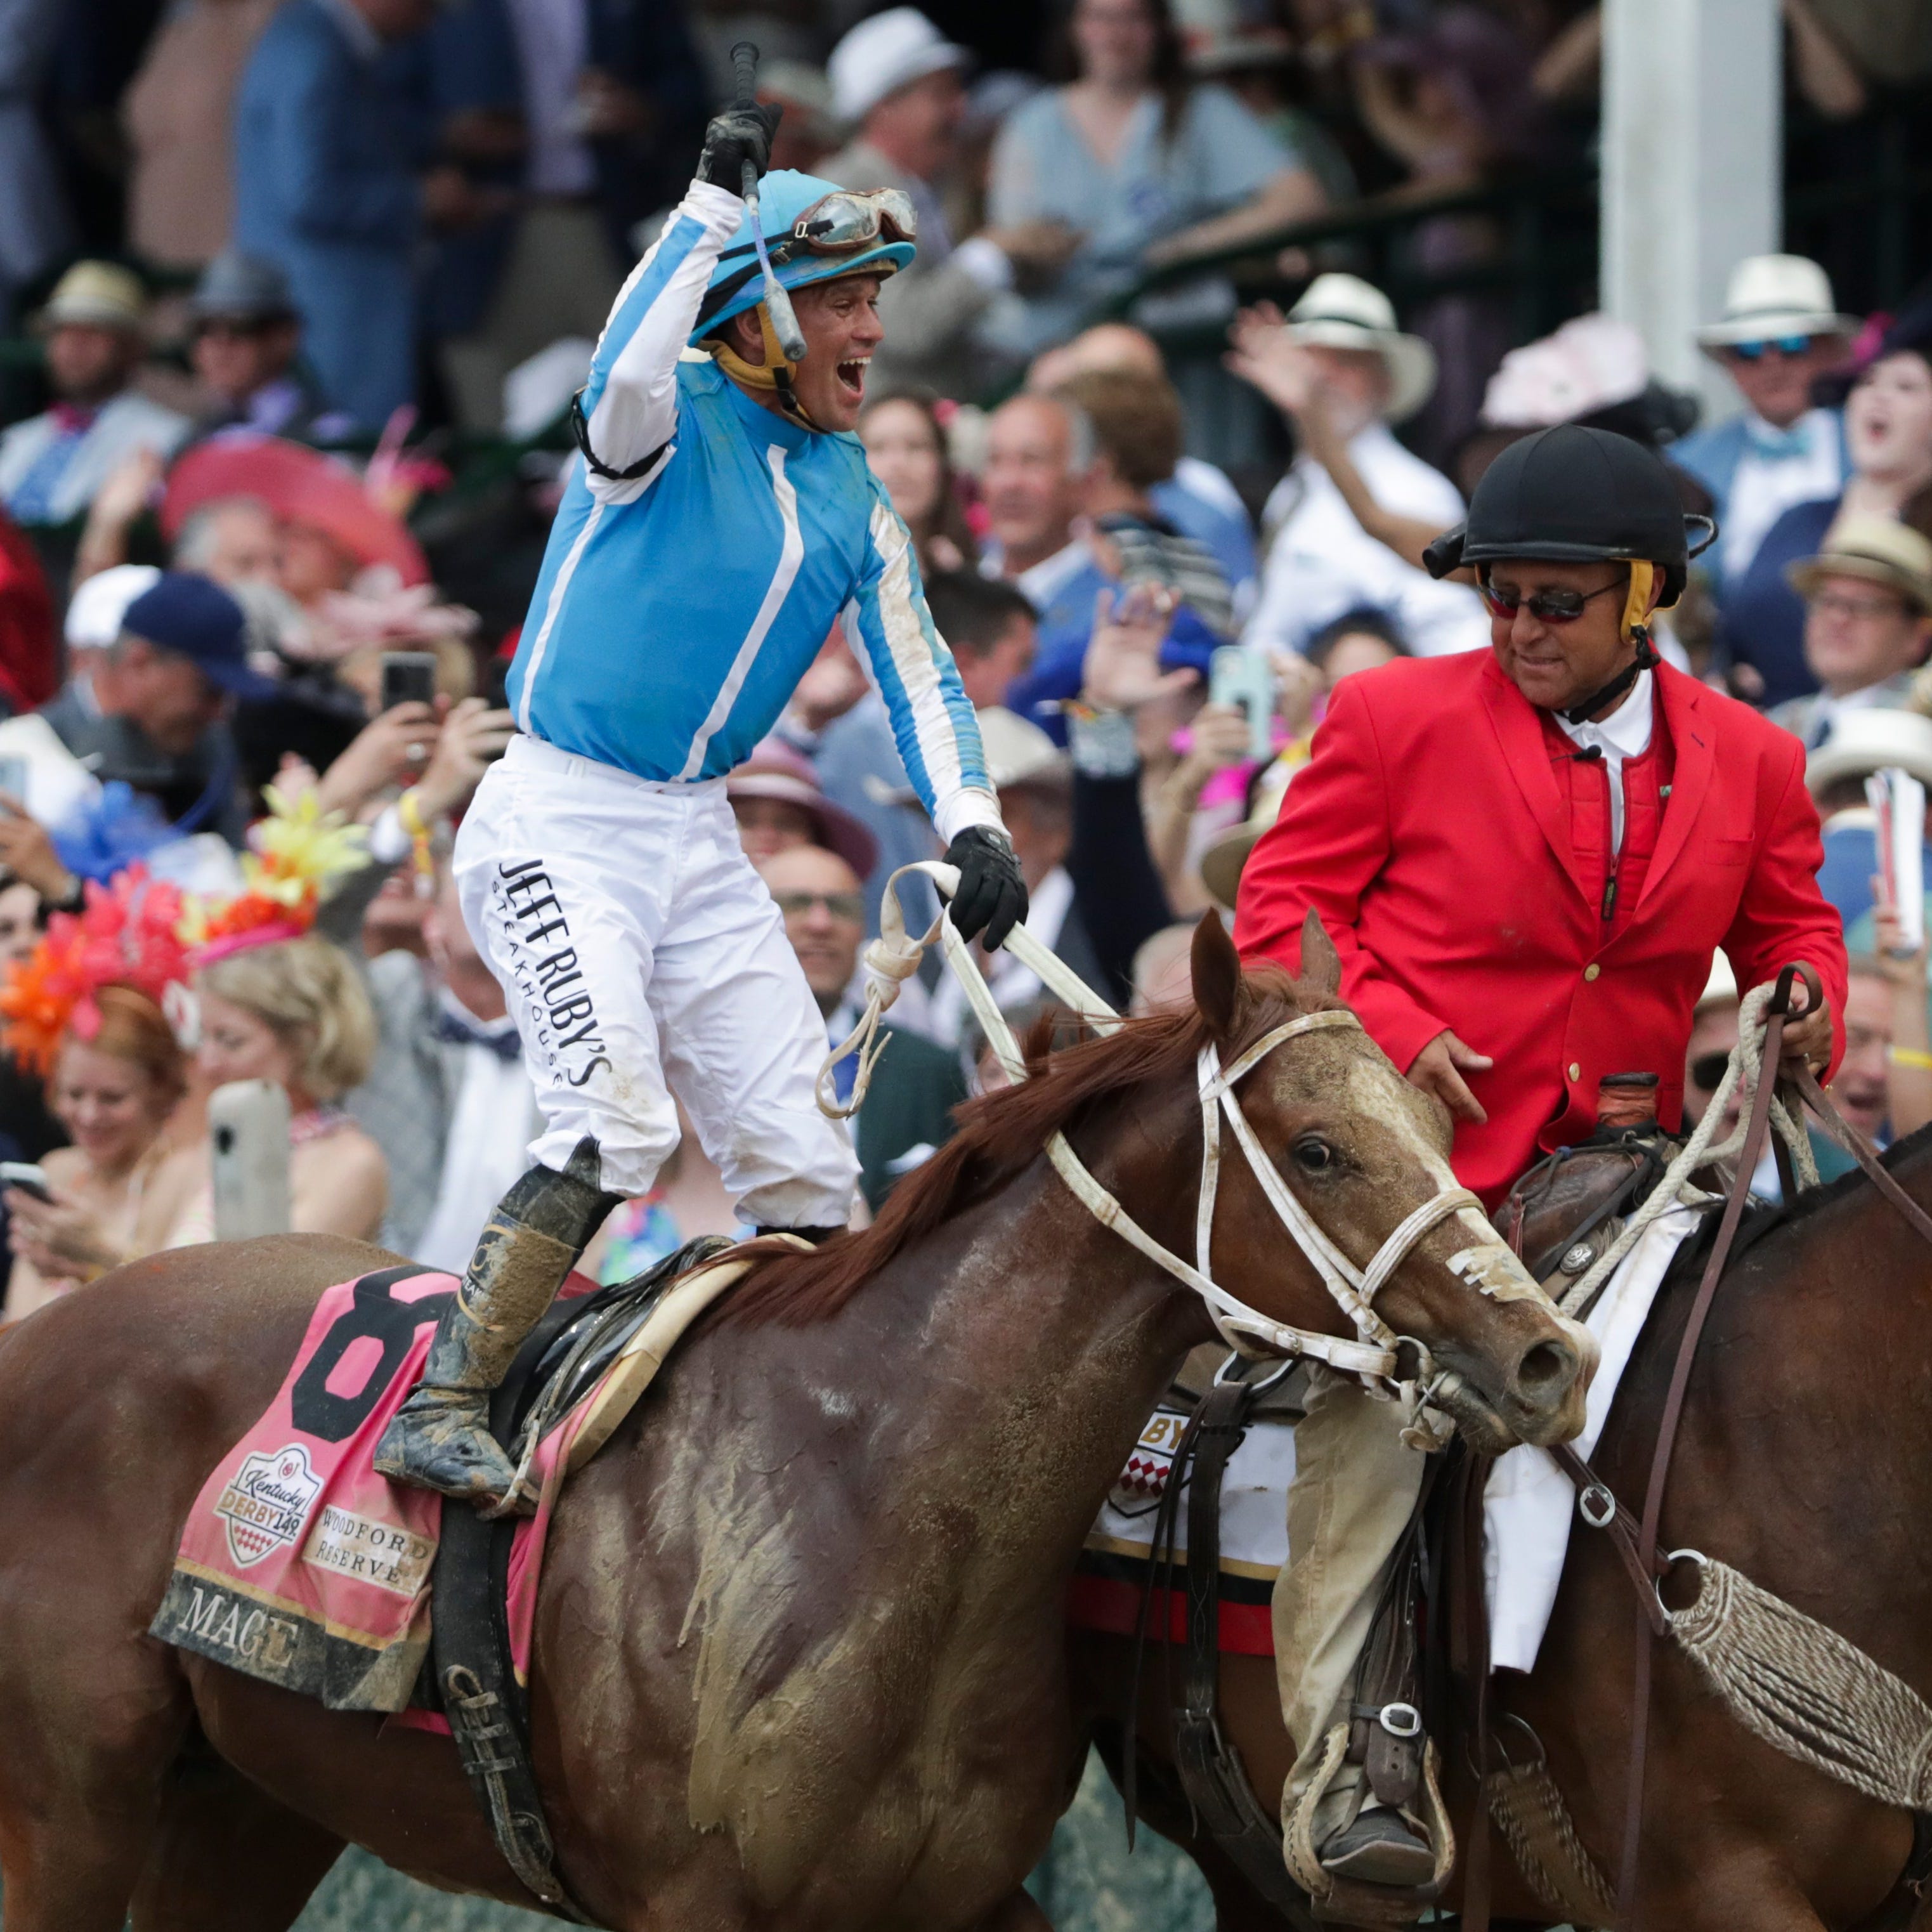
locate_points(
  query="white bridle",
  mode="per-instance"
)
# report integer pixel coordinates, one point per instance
(894, 956)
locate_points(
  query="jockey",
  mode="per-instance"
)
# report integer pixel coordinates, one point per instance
(722, 519)
(1526, 858)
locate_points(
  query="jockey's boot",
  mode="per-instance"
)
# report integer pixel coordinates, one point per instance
(440, 1439)
(1381, 1846)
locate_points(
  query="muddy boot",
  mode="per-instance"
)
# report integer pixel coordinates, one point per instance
(440, 1439)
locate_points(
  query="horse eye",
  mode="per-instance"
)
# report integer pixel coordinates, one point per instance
(1312, 1155)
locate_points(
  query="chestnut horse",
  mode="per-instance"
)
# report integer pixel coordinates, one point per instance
(799, 1660)
(1805, 1462)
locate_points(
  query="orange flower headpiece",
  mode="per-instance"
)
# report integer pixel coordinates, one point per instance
(127, 936)
(298, 852)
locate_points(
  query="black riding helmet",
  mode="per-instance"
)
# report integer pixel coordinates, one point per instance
(1573, 495)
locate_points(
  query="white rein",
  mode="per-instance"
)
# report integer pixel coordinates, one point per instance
(895, 956)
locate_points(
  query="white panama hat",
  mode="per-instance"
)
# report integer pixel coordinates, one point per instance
(1771, 296)
(881, 54)
(1870, 740)
(1339, 311)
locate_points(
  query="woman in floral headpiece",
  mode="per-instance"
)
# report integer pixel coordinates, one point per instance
(277, 1001)
(85, 1009)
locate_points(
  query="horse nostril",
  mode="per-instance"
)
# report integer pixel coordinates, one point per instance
(1545, 1373)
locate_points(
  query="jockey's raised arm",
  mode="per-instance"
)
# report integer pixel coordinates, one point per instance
(722, 519)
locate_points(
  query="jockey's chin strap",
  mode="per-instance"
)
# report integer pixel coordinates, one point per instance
(1375, 1356)
(775, 374)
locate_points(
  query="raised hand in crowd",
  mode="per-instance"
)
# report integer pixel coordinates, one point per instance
(473, 734)
(394, 749)
(131, 486)
(1299, 681)
(1121, 671)
(28, 853)
(833, 682)
(1038, 249)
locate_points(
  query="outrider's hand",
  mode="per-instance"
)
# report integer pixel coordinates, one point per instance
(992, 894)
(736, 136)
(1438, 1069)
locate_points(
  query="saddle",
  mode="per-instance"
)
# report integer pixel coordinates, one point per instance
(1568, 1208)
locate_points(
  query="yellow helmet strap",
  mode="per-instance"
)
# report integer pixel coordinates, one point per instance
(1637, 603)
(774, 375)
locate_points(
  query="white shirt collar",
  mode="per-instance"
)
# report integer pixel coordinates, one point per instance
(1045, 580)
(1627, 730)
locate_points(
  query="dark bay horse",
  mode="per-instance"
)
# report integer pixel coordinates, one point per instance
(799, 1660)
(1805, 1462)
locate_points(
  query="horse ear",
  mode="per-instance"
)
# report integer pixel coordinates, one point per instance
(1321, 964)
(1217, 974)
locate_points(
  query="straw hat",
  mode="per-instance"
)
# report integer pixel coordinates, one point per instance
(884, 53)
(98, 295)
(1019, 753)
(1771, 296)
(1339, 311)
(1721, 988)
(1879, 549)
(1870, 740)
(1221, 864)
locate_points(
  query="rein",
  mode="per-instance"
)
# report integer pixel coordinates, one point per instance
(1375, 1356)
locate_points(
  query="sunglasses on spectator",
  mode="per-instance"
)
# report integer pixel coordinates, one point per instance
(850, 906)
(1785, 345)
(1707, 1069)
(1549, 607)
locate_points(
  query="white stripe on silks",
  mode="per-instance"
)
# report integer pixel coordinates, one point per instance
(791, 554)
(552, 609)
(913, 657)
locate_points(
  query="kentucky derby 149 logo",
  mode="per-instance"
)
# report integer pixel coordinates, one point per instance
(267, 1502)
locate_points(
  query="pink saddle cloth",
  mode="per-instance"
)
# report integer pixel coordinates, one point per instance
(299, 1564)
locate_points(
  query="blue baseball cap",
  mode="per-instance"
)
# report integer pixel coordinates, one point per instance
(195, 618)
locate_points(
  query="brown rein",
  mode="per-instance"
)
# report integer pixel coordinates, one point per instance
(1635, 1540)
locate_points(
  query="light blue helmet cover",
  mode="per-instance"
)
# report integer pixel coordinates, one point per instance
(738, 283)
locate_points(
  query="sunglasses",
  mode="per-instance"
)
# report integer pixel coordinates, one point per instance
(1550, 606)
(850, 906)
(1755, 351)
(1707, 1069)
(844, 223)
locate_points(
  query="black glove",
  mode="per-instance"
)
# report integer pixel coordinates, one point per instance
(992, 894)
(734, 137)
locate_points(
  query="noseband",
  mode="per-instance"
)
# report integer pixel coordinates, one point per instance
(1374, 1356)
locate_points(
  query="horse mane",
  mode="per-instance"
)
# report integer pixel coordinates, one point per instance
(1813, 1198)
(998, 1136)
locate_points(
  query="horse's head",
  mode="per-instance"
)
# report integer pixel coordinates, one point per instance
(1361, 1150)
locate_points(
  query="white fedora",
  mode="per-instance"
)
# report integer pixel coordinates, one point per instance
(1339, 311)
(1771, 296)
(884, 53)
(1870, 740)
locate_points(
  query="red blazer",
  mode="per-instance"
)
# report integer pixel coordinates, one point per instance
(1430, 832)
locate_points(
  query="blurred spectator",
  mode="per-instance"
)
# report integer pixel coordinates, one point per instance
(1908, 1080)
(907, 1110)
(233, 540)
(808, 132)
(326, 187)
(1593, 370)
(52, 464)
(35, 227)
(1862, 742)
(247, 341)
(28, 651)
(1257, 62)
(150, 709)
(1714, 1037)
(905, 444)
(778, 803)
(178, 115)
(118, 1189)
(1451, 99)
(989, 625)
(448, 1099)
(1148, 168)
(1889, 440)
(1860, 1088)
(1339, 351)
(1868, 621)
(1039, 450)
(1137, 424)
(1197, 500)
(295, 1012)
(1779, 333)
(895, 82)
(1163, 972)
(20, 918)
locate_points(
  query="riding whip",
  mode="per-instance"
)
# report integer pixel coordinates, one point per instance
(778, 304)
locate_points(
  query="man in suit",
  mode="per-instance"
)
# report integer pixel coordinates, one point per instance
(1526, 857)
(907, 1110)
(1867, 622)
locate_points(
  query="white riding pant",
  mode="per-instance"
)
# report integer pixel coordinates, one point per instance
(642, 956)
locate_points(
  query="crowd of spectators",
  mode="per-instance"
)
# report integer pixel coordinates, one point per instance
(234, 559)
